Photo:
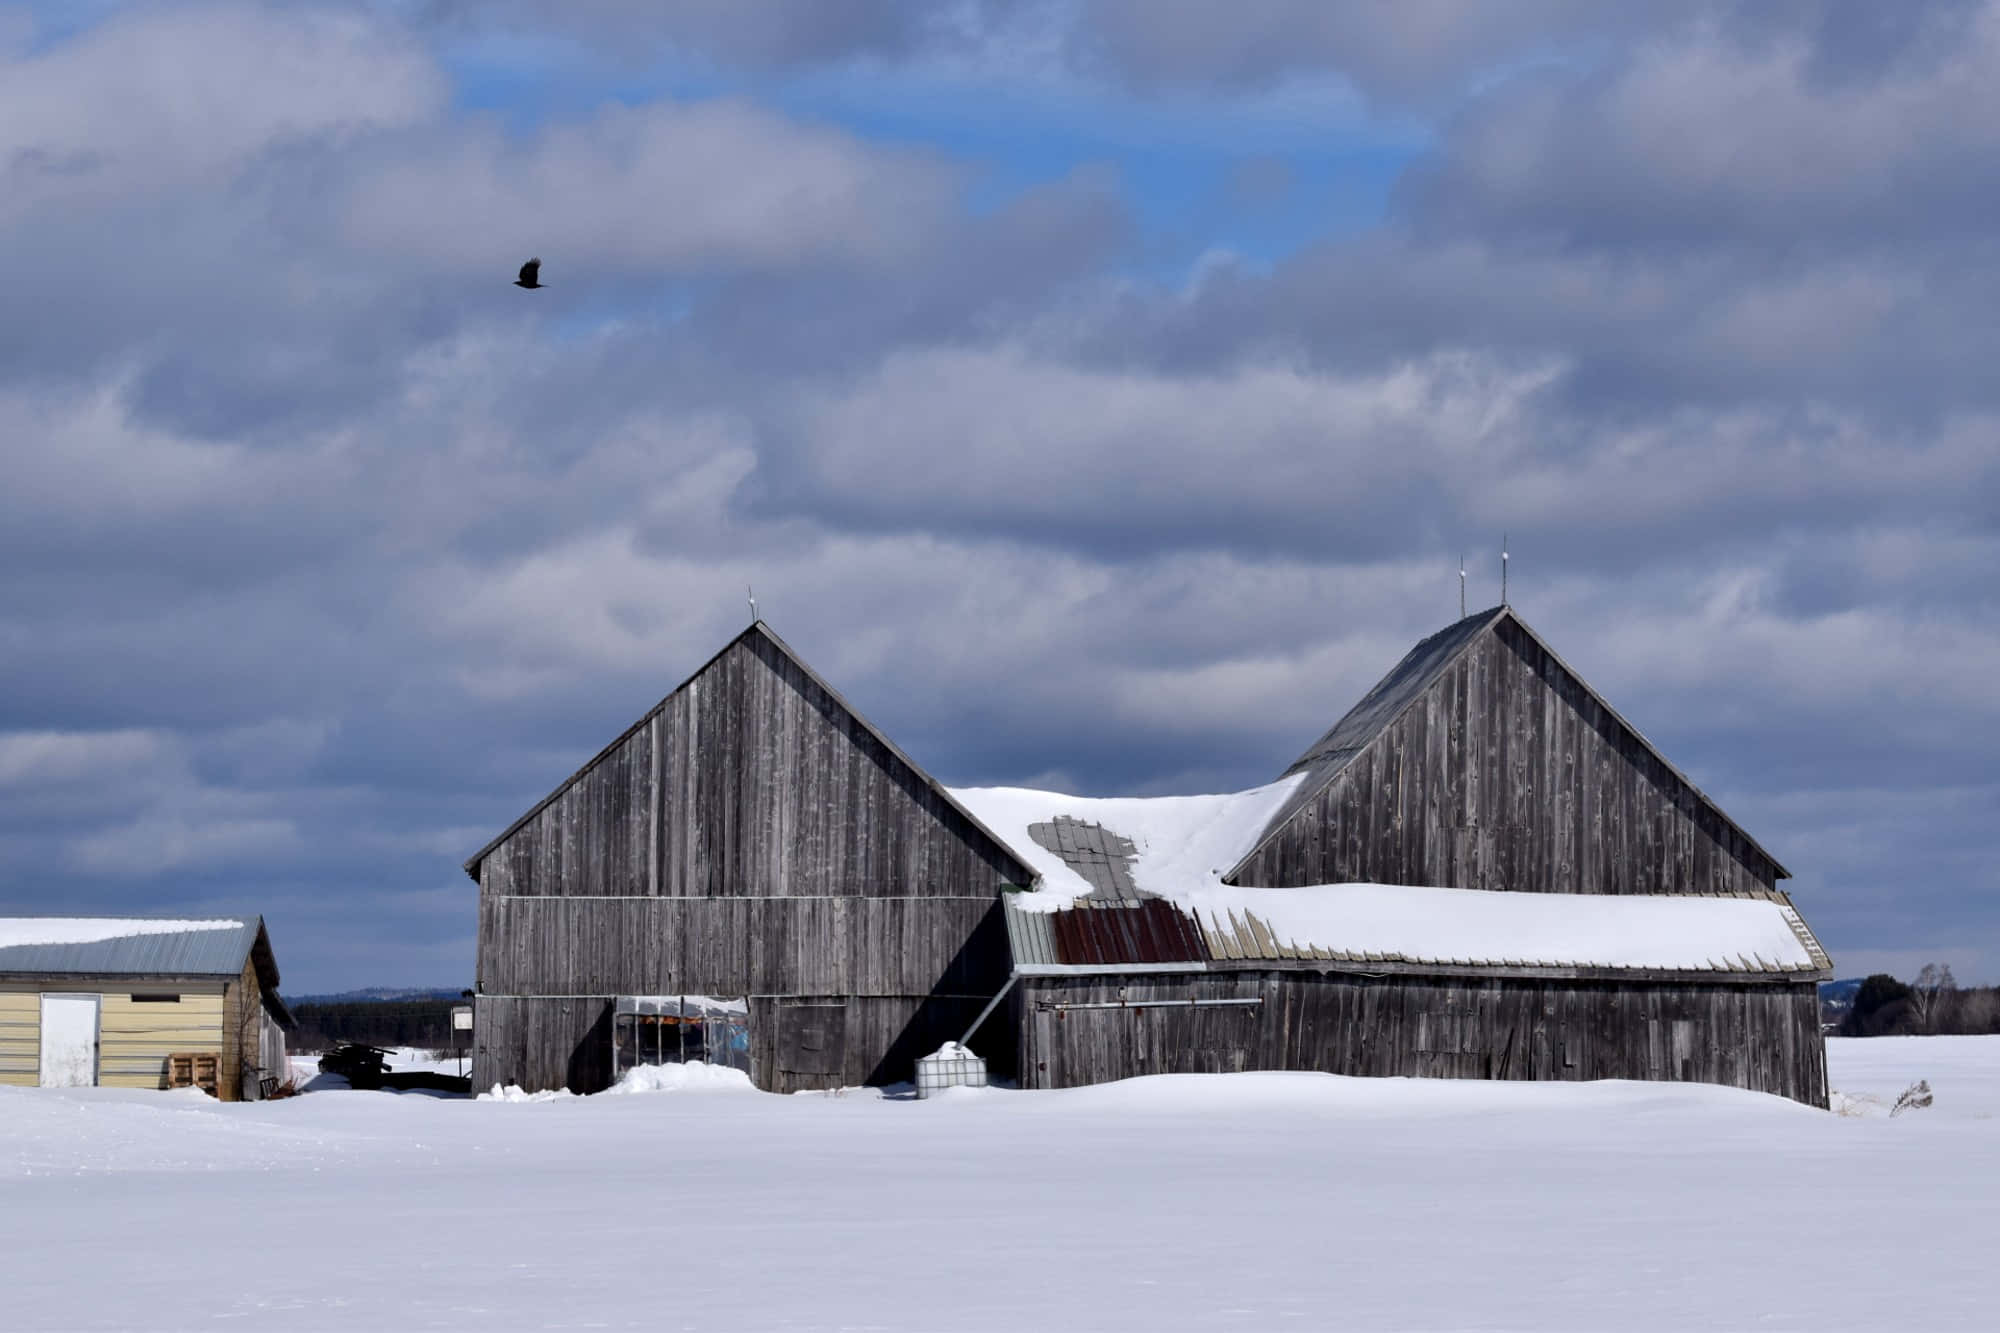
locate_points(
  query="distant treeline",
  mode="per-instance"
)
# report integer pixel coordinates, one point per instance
(1934, 1005)
(322, 1024)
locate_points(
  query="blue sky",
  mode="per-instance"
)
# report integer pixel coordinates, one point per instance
(1100, 393)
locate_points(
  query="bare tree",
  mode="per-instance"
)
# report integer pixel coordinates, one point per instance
(1933, 997)
(1979, 1009)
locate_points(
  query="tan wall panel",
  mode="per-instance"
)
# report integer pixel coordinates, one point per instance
(134, 1038)
(20, 1034)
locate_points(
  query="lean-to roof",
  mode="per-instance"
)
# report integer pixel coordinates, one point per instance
(1136, 885)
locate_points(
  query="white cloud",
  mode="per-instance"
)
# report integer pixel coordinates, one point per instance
(298, 543)
(36, 758)
(666, 188)
(157, 98)
(154, 844)
(1010, 436)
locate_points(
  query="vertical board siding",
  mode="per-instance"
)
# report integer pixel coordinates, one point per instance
(751, 836)
(1763, 1037)
(1509, 773)
(750, 780)
(738, 946)
(566, 1043)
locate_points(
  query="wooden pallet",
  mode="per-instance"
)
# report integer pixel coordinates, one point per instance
(195, 1069)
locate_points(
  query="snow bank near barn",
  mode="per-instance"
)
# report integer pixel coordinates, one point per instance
(510, 1092)
(696, 1076)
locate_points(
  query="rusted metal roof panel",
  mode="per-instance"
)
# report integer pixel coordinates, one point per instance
(1153, 931)
(1149, 936)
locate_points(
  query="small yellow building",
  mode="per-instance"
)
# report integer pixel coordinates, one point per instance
(125, 1002)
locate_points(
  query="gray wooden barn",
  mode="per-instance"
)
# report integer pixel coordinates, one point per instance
(751, 837)
(1482, 870)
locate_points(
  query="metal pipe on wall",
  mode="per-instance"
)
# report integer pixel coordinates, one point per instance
(1059, 1006)
(991, 1005)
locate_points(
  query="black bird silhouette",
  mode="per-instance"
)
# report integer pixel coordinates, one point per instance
(530, 274)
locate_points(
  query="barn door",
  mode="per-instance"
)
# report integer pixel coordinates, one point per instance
(812, 1038)
(69, 1041)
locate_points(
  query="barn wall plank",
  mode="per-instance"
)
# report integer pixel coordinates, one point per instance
(1760, 1036)
(1522, 780)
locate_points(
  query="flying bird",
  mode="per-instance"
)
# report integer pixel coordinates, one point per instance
(530, 274)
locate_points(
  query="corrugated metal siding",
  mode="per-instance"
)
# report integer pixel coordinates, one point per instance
(1031, 936)
(1153, 936)
(191, 953)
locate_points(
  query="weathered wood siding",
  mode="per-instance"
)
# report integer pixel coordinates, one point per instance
(741, 946)
(751, 837)
(798, 1043)
(1761, 1036)
(1508, 773)
(749, 781)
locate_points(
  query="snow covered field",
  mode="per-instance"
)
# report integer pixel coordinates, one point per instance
(1258, 1201)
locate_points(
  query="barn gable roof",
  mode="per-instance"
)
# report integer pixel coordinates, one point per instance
(760, 630)
(140, 947)
(1328, 757)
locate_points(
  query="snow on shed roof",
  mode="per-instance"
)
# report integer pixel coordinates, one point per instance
(1397, 923)
(1369, 926)
(1182, 845)
(132, 946)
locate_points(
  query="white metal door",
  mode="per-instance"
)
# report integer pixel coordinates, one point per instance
(69, 1041)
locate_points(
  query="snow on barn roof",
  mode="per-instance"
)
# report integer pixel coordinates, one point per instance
(1101, 861)
(1177, 841)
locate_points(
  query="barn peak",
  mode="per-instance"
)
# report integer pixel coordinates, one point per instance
(762, 642)
(1477, 703)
